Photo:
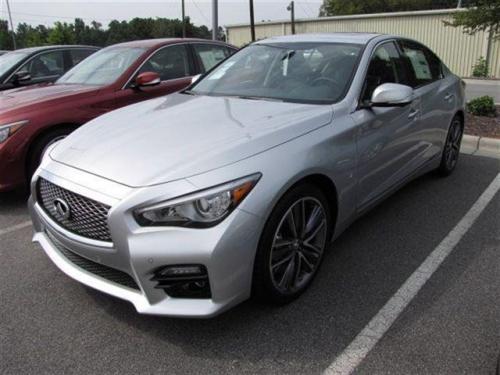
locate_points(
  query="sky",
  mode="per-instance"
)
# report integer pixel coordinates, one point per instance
(200, 11)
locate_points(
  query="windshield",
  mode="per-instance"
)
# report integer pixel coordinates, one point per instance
(10, 59)
(103, 67)
(298, 72)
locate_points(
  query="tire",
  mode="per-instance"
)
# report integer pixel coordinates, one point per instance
(451, 149)
(39, 147)
(286, 262)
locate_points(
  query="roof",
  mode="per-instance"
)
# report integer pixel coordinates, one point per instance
(44, 48)
(351, 17)
(355, 38)
(150, 43)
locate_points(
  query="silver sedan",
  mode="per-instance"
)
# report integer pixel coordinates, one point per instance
(189, 204)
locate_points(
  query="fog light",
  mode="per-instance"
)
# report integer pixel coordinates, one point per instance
(183, 281)
(181, 271)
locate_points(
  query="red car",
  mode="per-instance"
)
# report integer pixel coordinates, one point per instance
(31, 119)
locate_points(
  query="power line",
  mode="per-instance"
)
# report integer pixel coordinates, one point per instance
(311, 9)
(11, 25)
(304, 10)
(59, 17)
(201, 13)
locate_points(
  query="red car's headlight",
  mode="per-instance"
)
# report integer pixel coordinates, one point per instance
(7, 130)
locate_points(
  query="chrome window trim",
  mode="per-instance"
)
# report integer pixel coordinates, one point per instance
(125, 86)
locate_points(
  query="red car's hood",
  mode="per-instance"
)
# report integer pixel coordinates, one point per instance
(12, 100)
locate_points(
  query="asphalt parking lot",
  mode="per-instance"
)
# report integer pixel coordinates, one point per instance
(52, 324)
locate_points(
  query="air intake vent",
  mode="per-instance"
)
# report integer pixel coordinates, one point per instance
(108, 273)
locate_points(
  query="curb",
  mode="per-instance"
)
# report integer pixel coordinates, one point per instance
(475, 145)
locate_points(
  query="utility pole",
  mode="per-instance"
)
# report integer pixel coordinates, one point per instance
(252, 22)
(11, 25)
(459, 4)
(183, 21)
(215, 20)
(291, 8)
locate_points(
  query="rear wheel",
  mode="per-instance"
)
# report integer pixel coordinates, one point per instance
(292, 245)
(451, 149)
(40, 147)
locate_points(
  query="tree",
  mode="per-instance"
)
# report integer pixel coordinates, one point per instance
(79, 32)
(62, 33)
(481, 15)
(342, 7)
(5, 36)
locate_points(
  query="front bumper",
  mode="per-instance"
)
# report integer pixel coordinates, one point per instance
(12, 167)
(226, 250)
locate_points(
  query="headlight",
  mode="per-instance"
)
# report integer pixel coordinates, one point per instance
(7, 130)
(202, 209)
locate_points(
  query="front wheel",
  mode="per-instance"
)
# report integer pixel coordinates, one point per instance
(292, 245)
(451, 149)
(40, 147)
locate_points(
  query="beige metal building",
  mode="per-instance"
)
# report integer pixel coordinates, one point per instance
(458, 50)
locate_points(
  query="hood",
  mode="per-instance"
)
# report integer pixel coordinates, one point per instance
(18, 99)
(180, 135)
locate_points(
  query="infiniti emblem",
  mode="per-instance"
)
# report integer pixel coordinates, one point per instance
(62, 209)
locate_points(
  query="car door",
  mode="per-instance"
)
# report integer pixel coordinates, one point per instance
(435, 92)
(172, 63)
(387, 137)
(44, 67)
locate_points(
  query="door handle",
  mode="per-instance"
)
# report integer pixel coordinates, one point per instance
(413, 114)
(448, 96)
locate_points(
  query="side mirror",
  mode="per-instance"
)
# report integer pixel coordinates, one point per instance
(147, 79)
(22, 77)
(392, 95)
(195, 78)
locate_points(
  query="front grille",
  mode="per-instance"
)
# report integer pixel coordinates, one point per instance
(87, 218)
(108, 273)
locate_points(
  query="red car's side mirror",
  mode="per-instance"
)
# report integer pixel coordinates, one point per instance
(147, 79)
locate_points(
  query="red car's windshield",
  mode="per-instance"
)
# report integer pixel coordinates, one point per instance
(103, 67)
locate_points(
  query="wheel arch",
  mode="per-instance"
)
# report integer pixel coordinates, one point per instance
(326, 185)
(460, 113)
(42, 133)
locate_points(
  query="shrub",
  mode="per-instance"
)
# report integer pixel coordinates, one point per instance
(481, 68)
(482, 106)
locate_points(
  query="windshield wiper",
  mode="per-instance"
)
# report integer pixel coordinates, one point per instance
(249, 97)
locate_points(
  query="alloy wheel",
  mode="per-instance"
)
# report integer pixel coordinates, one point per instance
(298, 245)
(452, 147)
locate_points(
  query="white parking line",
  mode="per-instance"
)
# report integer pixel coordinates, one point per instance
(13, 228)
(364, 342)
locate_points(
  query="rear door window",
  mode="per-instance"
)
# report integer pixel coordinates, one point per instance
(424, 66)
(210, 55)
(78, 55)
